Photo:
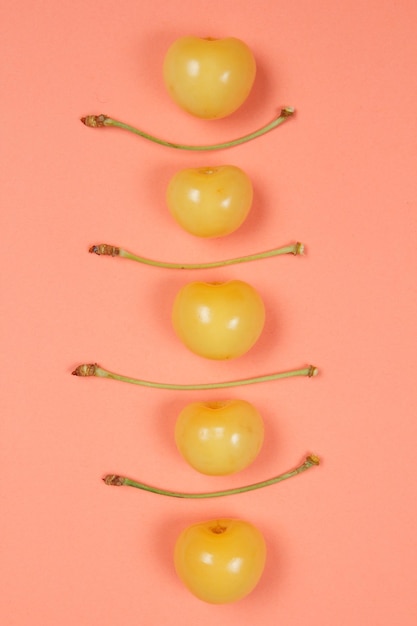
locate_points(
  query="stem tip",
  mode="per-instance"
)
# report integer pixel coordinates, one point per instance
(104, 249)
(287, 111)
(94, 121)
(87, 369)
(113, 480)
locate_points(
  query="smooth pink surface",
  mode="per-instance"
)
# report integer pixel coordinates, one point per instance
(342, 178)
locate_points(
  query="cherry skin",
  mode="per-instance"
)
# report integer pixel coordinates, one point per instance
(209, 78)
(210, 201)
(218, 320)
(221, 560)
(219, 438)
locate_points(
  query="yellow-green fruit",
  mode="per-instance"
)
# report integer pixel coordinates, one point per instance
(219, 438)
(209, 78)
(221, 560)
(218, 320)
(210, 201)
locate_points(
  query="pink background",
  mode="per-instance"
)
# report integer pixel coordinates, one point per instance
(341, 177)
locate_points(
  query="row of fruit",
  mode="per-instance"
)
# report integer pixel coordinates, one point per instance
(220, 560)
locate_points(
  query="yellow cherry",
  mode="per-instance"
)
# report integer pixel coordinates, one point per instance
(210, 201)
(209, 78)
(220, 560)
(218, 320)
(219, 438)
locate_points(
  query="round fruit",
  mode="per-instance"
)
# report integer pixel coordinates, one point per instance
(220, 561)
(219, 438)
(209, 78)
(210, 201)
(218, 320)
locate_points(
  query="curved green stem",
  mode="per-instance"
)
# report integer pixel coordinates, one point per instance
(118, 481)
(104, 249)
(99, 121)
(92, 369)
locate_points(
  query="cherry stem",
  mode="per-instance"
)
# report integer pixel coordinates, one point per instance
(92, 369)
(104, 249)
(99, 121)
(118, 481)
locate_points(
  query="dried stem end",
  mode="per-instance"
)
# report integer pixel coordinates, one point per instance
(114, 480)
(103, 249)
(94, 121)
(313, 459)
(287, 112)
(313, 371)
(88, 369)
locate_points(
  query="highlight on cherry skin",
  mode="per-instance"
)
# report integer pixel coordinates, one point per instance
(219, 438)
(218, 320)
(209, 78)
(220, 561)
(210, 201)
